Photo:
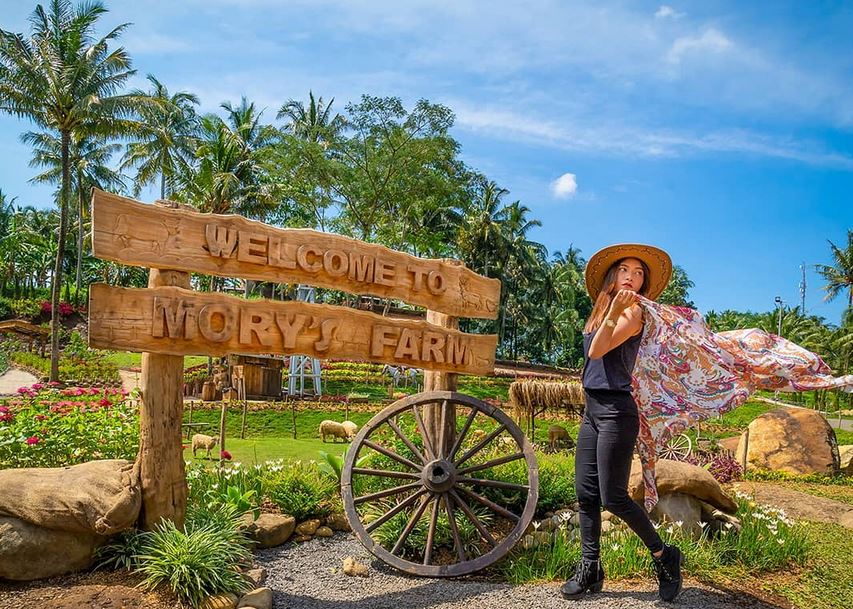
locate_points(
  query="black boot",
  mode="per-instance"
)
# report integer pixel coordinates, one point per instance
(589, 577)
(668, 569)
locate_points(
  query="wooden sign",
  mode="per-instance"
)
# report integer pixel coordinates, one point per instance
(176, 321)
(129, 232)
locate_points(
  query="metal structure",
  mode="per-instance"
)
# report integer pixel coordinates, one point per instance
(299, 363)
(426, 476)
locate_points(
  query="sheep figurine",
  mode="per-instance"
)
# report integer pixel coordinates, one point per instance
(201, 441)
(345, 430)
(351, 429)
(558, 435)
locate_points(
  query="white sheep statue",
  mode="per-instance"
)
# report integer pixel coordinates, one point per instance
(345, 430)
(201, 441)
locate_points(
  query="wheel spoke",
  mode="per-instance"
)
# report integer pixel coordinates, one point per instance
(385, 473)
(493, 483)
(422, 428)
(416, 515)
(477, 447)
(462, 434)
(409, 444)
(492, 463)
(394, 511)
(457, 541)
(490, 504)
(386, 493)
(431, 530)
(390, 453)
(442, 432)
(484, 533)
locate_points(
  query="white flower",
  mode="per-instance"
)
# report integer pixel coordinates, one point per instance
(780, 542)
(536, 525)
(615, 546)
(236, 465)
(678, 523)
(702, 524)
(656, 525)
(728, 525)
(566, 516)
(669, 529)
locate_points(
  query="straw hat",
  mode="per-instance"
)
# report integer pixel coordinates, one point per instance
(658, 261)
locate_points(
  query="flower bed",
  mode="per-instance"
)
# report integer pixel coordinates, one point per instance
(48, 426)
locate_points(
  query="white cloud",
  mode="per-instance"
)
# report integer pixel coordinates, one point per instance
(712, 41)
(619, 139)
(667, 12)
(565, 187)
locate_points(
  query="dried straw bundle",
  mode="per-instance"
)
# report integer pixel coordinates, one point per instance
(533, 395)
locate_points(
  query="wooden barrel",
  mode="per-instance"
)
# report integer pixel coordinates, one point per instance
(208, 391)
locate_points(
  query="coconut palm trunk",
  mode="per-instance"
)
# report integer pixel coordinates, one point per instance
(57, 269)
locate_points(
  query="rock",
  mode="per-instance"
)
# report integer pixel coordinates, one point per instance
(575, 520)
(541, 537)
(269, 530)
(260, 598)
(679, 477)
(679, 508)
(302, 538)
(309, 527)
(28, 551)
(792, 440)
(324, 532)
(354, 568)
(845, 456)
(220, 601)
(257, 576)
(605, 515)
(338, 522)
(606, 526)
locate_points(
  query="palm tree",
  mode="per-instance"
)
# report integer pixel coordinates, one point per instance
(840, 274)
(167, 138)
(482, 239)
(89, 159)
(63, 79)
(315, 123)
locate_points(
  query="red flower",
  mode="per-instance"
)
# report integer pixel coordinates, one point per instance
(103, 402)
(33, 440)
(225, 455)
(40, 417)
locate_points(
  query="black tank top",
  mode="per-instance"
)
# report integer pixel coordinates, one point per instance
(613, 371)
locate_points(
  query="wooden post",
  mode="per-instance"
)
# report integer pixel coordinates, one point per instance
(161, 458)
(440, 381)
(222, 429)
(293, 415)
(241, 392)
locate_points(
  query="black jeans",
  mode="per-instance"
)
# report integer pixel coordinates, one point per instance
(603, 456)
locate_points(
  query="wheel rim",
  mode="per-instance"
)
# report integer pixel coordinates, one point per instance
(424, 479)
(678, 447)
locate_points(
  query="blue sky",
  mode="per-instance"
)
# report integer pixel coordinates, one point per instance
(720, 131)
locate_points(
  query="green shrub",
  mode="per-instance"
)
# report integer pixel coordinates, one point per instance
(195, 562)
(303, 490)
(121, 552)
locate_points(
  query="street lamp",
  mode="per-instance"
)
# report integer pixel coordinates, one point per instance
(779, 303)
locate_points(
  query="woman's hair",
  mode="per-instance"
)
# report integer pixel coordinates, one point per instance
(608, 291)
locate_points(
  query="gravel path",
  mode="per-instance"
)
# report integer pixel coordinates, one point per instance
(14, 378)
(309, 576)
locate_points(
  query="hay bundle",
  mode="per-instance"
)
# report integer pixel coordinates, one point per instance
(531, 396)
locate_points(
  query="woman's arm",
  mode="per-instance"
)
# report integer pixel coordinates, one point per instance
(629, 322)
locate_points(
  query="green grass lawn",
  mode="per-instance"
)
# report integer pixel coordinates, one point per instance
(258, 450)
(126, 359)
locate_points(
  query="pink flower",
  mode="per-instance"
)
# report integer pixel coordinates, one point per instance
(40, 417)
(37, 386)
(54, 384)
(225, 455)
(33, 440)
(103, 402)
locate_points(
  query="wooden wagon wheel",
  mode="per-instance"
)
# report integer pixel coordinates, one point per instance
(677, 448)
(402, 482)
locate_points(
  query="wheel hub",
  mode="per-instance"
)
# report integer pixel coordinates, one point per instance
(439, 475)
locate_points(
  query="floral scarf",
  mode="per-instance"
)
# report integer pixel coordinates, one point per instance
(685, 373)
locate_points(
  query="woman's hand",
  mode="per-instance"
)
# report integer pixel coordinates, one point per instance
(623, 300)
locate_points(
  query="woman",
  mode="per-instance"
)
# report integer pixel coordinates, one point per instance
(608, 432)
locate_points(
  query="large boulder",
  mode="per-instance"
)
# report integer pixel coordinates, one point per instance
(28, 551)
(100, 497)
(845, 456)
(792, 440)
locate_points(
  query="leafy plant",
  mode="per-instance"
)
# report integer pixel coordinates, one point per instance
(121, 552)
(195, 562)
